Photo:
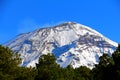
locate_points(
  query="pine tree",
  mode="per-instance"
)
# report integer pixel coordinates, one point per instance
(116, 58)
(9, 62)
(47, 68)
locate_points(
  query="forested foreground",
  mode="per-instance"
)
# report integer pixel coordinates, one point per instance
(47, 68)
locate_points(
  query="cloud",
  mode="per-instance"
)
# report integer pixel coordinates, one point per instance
(29, 24)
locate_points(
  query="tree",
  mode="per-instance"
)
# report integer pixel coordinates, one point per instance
(25, 73)
(103, 71)
(9, 62)
(83, 73)
(47, 60)
(106, 60)
(47, 68)
(116, 58)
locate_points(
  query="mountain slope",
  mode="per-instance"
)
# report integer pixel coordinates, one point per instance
(70, 42)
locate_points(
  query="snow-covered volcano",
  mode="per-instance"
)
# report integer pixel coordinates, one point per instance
(70, 42)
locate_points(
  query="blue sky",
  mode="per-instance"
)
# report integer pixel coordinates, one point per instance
(19, 16)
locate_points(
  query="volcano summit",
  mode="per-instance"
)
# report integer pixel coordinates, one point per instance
(71, 43)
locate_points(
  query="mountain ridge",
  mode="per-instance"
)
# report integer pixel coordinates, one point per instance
(70, 42)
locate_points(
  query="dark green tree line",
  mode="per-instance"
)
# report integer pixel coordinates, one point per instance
(10, 66)
(108, 67)
(47, 68)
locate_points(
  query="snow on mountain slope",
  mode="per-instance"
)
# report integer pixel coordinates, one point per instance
(70, 42)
